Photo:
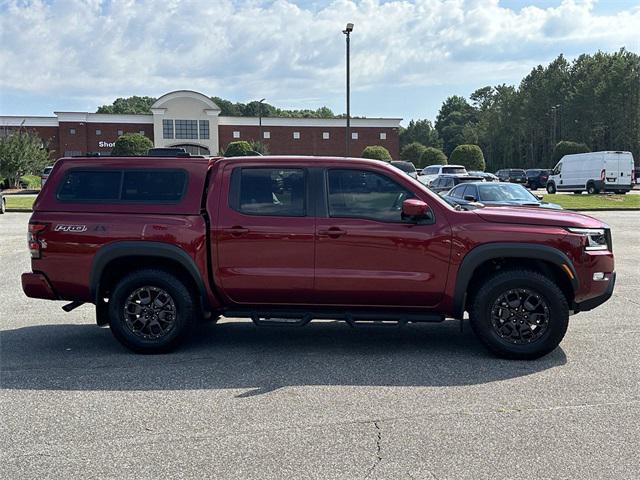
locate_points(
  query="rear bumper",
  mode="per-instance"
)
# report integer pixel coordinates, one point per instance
(594, 302)
(36, 285)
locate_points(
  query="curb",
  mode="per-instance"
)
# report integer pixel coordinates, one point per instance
(606, 209)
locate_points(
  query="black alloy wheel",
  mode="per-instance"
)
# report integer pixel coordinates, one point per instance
(520, 316)
(150, 312)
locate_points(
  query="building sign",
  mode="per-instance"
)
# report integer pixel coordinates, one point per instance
(103, 144)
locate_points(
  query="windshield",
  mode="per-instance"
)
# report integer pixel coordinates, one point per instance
(404, 166)
(517, 172)
(504, 192)
(454, 170)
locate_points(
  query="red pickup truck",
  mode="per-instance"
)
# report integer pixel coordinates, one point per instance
(158, 243)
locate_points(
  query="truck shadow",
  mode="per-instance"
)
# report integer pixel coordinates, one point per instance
(238, 355)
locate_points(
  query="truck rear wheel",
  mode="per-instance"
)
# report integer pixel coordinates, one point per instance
(520, 314)
(151, 311)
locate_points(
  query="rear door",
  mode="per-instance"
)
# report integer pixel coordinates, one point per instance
(366, 255)
(265, 235)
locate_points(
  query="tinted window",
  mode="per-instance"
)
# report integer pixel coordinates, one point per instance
(454, 170)
(431, 171)
(436, 182)
(117, 185)
(153, 186)
(470, 190)
(457, 192)
(447, 182)
(365, 194)
(272, 191)
(91, 185)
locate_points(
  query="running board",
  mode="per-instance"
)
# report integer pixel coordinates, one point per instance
(299, 318)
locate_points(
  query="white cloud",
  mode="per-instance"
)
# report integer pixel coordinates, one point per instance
(101, 49)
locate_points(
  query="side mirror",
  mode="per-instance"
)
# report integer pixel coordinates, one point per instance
(415, 209)
(470, 198)
(539, 197)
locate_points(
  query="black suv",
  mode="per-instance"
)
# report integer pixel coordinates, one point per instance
(513, 175)
(537, 178)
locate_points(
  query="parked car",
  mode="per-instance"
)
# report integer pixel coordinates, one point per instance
(513, 175)
(594, 172)
(495, 195)
(407, 167)
(537, 178)
(3, 204)
(488, 177)
(45, 175)
(430, 173)
(444, 183)
(159, 243)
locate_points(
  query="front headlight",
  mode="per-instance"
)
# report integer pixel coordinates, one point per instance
(596, 237)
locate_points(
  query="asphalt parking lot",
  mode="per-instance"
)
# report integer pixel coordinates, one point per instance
(320, 402)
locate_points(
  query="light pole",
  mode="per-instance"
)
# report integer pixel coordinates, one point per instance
(260, 121)
(347, 31)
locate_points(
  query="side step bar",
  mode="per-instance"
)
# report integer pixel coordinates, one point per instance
(353, 318)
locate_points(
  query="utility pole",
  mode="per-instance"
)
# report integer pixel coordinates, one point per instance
(347, 31)
(260, 139)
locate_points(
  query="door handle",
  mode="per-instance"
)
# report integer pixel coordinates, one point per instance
(333, 232)
(237, 231)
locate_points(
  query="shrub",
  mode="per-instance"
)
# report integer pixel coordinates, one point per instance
(432, 156)
(377, 152)
(412, 152)
(468, 155)
(567, 148)
(240, 148)
(259, 147)
(132, 144)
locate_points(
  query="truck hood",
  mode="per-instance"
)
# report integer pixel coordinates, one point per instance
(537, 216)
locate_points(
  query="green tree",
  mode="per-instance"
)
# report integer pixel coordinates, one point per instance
(129, 105)
(412, 152)
(240, 148)
(452, 122)
(377, 152)
(132, 144)
(420, 131)
(468, 155)
(567, 148)
(432, 156)
(21, 153)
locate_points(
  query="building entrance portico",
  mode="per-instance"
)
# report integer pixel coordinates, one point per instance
(186, 115)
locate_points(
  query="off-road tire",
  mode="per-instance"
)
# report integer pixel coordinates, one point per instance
(183, 318)
(500, 283)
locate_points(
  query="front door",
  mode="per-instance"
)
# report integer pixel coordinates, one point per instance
(367, 255)
(265, 236)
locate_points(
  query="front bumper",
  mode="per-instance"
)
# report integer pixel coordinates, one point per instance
(36, 285)
(594, 302)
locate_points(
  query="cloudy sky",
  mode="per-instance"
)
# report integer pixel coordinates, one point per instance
(406, 56)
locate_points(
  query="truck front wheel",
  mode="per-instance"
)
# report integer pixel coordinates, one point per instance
(520, 314)
(151, 311)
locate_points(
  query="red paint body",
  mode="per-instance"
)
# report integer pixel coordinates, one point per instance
(294, 261)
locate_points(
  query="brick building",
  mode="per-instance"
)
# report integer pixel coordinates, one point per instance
(192, 120)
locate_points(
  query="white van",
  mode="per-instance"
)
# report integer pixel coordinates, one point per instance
(594, 172)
